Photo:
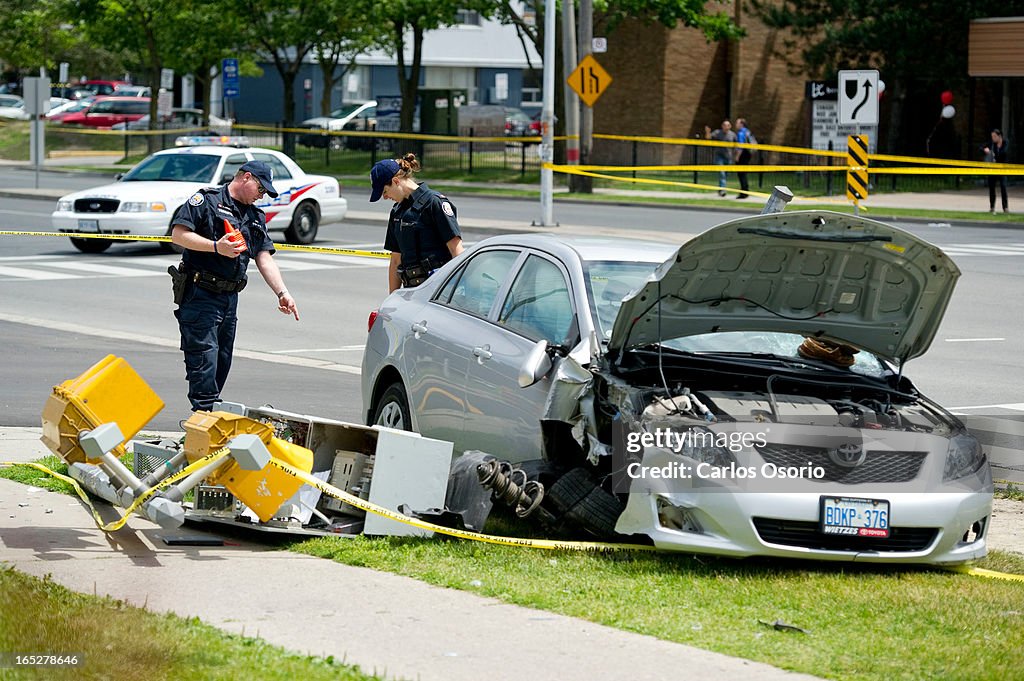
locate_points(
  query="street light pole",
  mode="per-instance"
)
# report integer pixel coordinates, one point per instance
(547, 145)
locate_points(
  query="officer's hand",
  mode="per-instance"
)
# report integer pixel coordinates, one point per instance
(228, 249)
(286, 304)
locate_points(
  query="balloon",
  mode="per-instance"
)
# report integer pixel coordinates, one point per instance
(947, 99)
(948, 111)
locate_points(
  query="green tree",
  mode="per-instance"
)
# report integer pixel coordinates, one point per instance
(284, 34)
(407, 21)
(345, 34)
(140, 29)
(204, 34)
(919, 48)
(43, 33)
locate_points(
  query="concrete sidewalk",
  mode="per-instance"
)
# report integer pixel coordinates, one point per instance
(390, 625)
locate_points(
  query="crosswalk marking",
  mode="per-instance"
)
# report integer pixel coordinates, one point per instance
(958, 250)
(57, 267)
(35, 275)
(97, 268)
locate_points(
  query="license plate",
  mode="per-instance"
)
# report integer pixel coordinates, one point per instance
(855, 517)
(88, 225)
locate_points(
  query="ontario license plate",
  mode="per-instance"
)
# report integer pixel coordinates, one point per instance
(855, 517)
(88, 225)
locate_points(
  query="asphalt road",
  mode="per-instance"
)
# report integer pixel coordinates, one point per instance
(64, 310)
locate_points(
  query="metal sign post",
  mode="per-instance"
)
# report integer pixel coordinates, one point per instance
(547, 118)
(37, 98)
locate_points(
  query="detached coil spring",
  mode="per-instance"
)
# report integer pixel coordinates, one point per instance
(522, 494)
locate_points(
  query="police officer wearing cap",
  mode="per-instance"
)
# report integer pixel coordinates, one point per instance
(212, 273)
(423, 231)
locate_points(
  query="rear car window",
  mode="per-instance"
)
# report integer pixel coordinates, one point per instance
(280, 169)
(474, 288)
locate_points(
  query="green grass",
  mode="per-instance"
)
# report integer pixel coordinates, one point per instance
(1011, 491)
(864, 622)
(119, 641)
(32, 476)
(860, 618)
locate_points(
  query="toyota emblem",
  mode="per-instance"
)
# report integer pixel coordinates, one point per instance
(849, 455)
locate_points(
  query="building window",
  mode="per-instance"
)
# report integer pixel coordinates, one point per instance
(467, 17)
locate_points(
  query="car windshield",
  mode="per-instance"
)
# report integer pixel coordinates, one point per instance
(175, 168)
(609, 282)
(345, 111)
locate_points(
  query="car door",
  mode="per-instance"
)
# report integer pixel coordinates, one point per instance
(439, 343)
(100, 115)
(501, 417)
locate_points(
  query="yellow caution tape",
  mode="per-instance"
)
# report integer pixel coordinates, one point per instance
(575, 170)
(341, 495)
(171, 132)
(166, 239)
(982, 572)
(549, 544)
(143, 498)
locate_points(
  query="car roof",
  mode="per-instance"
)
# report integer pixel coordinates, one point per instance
(589, 248)
(216, 150)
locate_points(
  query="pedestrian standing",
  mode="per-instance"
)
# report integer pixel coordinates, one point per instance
(213, 270)
(744, 154)
(996, 153)
(423, 230)
(723, 155)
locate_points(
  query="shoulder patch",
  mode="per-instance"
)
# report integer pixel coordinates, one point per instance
(447, 208)
(196, 200)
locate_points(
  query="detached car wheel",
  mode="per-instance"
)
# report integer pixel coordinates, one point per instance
(393, 409)
(91, 245)
(584, 503)
(304, 225)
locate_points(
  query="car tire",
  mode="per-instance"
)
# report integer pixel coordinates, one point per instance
(583, 502)
(570, 489)
(304, 225)
(392, 409)
(91, 245)
(597, 513)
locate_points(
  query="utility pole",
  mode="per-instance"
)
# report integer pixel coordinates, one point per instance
(571, 99)
(586, 46)
(547, 118)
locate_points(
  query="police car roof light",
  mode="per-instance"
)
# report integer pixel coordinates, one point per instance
(212, 140)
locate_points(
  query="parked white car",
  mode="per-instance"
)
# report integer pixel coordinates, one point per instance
(143, 201)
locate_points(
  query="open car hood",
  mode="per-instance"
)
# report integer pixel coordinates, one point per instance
(814, 273)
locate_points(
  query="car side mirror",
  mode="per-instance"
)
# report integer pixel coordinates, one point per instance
(117, 178)
(536, 365)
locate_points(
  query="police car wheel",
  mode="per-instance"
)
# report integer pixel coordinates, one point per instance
(393, 409)
(304, 225)
(91, 245)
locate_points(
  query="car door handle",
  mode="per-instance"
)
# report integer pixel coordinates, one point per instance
(482, 353)
(419, 327)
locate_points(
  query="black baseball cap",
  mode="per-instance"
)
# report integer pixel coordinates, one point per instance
(381, 175)
(262, 172)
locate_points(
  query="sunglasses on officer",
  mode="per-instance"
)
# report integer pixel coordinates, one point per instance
(259, 186)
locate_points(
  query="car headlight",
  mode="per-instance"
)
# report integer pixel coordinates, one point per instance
(64, 206)
(963, 458)
(143, 207)
(700, 445)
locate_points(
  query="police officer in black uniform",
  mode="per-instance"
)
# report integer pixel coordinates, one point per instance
(213, 272)
(423, 231)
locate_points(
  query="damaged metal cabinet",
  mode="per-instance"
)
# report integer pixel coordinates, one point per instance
(386, 467)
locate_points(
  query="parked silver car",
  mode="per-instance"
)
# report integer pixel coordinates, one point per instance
(740, 395)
